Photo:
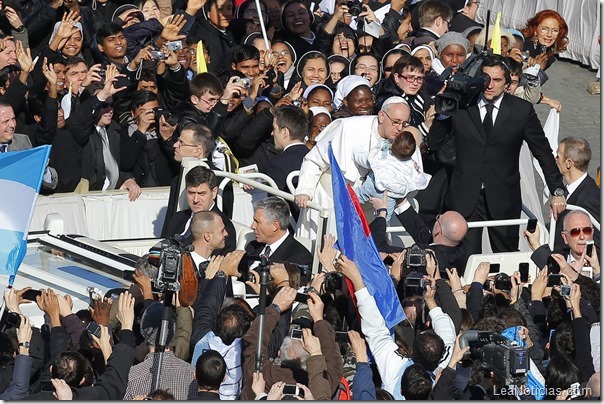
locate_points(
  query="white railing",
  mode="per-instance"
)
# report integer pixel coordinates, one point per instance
(495, 223)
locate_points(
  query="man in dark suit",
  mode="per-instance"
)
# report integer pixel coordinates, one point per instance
(271, 219)
(573, 157)
(485, 184)
(290, 126)
(202, 188)
(434, 19)
(445, 238)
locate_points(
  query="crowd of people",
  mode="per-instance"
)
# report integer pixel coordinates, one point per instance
(124, 92)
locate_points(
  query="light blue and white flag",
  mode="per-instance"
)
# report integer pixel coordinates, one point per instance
(21, 175)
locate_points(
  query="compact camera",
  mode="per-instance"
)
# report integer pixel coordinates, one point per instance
(158, 55)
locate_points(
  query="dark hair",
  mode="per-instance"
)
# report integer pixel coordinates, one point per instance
(489, 324)
(512, 317)
(488, 307)
(310, 55)
(498, 60)
(383, 395)
(355, 61)
(147, 75)
(428, 349)
(287, 5)
(242, 53)
(35, 101)
(403, 145)
(107, 29)
(90, 90)
(160, 394)
(5, 74)
(202, 136)
(319, 88)
(407, 61)
(210, 370)
(201, 175)
(294, 119)
(140, 98)
(560, 373)
(208, 7)
(71, 367)
(232, 322)
(205, 83)
(394, 51)
(416, 383)
(74, 60)
(515, 66)
(562, 342)
(466, 320)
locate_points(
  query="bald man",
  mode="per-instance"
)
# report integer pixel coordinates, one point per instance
(445, 238)
(209, 234)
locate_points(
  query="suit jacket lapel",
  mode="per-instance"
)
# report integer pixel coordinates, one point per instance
(502, 114)
(474, 113)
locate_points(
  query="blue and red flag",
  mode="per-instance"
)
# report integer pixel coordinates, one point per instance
(356, 243)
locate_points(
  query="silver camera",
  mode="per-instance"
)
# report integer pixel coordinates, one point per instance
(174, 45)
(565, 290)
(245, 82)
(158, 55)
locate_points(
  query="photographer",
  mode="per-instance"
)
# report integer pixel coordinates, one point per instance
(488, 188)
(319, 353)
(445, 239)
(430, 349)
(18, 388)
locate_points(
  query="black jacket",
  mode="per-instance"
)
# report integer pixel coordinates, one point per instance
(494, 161)
(447, 257)
(81, 125)
(280, 166)
(587, 196)
(290, 251)
(220, 44)
(461, 22)
(178, 222)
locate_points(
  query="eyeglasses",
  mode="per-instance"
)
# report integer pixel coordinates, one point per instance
(411, 79)
(185, 144)
(365, 67)
(282, 53)
(404, 124)
(587, 231)
(211, 102)
(447, 21)
(106, 105)
(547, 30)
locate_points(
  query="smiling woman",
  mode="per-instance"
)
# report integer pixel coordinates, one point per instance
(313, 68)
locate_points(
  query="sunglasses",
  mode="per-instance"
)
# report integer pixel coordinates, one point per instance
(106, 105)
(587, 231)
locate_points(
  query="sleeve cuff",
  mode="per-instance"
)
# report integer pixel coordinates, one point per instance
(361, 294)
(402, 207)
(261, 396)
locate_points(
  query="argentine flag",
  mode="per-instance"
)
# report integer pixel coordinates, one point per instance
(20, 179)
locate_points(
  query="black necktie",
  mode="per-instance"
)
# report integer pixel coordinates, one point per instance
(3, 148)
(267, 251)
(487, 122)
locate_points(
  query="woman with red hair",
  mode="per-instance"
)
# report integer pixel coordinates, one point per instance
(545, 36)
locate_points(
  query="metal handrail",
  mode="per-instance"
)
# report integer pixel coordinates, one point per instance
(290, 180)
(495, 223)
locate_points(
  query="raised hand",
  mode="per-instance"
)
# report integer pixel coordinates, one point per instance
(12, 17)
(24, 58)
(329, 253)
(172, 28)
(100, 311)
(125, 312)
(214, 265)
(310, 343)
(104, 342)
(62, 390)
(49, 72)
(315, 306)
(482, 272)
(92, 75)
(67, 27)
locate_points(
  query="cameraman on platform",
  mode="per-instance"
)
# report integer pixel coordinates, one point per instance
(485, 183)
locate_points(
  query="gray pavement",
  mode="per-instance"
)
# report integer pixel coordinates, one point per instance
(580, 115)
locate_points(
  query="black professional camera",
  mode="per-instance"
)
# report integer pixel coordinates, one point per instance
(333, 282)
(416, 280)
(463, 87)
(503, 282)
(416, 257)
(497, 354)
(170, 264)
(355, 7)
(170, 118)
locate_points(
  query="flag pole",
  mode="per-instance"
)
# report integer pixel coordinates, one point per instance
(262, 27)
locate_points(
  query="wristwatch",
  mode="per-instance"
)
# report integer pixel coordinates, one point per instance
(24, 344)
(378, 211)
(558, 192)
(220, 274)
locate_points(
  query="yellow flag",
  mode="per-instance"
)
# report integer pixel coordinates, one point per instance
(201, 61)
(496, 36)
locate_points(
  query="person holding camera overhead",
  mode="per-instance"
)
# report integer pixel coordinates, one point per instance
(485, 184)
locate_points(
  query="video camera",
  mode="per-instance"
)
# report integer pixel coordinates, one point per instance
(170, 264)
(497, 354)
(464, 86)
